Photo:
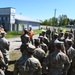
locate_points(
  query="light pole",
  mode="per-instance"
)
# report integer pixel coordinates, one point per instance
(54, 15)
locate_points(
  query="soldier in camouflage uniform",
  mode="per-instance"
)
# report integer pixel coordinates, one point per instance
(51, 43)
(45, 39)
(25, 32)
(48, 33)
(27, 64)
(70, 52)
(38, 52)
(43, 45)
(26, 39)
(2, 64)
(56, 63)
(4, 47)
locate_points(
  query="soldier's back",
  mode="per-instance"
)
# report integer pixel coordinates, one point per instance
(71, 53)
(56, 61)
(27, 66)
(39, 54)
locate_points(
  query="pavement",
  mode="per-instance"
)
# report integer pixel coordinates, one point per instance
(16, 42)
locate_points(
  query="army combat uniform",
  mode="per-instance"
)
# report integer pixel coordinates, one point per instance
(39, 54)
(4, 47)
(27, 65)
(56, 62)
(2, 64)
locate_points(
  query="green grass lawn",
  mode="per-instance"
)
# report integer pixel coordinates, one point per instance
(12, 34)
(14, 55)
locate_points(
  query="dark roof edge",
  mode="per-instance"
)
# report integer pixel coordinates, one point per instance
(6, 7)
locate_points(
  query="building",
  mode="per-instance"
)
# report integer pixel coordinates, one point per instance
(11, 21)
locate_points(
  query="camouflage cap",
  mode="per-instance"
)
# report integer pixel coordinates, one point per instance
(69, 41)
(26, 30)
(55, 34)
(26, 36)
(58, 42)
(37, 40)
(40, 36)
(31, 47)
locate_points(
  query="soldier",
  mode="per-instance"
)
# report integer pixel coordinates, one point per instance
(38, 52)
(25, 32)
(4, 46)
(26, 39)
(70, 52)
(57, 62)
(48, 33)
(60, 36)
(43, 45)
(45, 39)
(63, 49)
(51, 43)
(3, 66)
(53, 32)
(71, 36)
(27, 64)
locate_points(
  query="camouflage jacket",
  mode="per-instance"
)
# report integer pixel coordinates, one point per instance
(56, 62)
(27, 66)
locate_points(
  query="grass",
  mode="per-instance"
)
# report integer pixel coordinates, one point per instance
(14, 55)
(14, 34)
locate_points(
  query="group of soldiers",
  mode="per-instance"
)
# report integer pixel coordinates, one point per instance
(51, 53)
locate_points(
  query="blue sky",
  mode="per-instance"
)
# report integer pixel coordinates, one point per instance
(41, 9)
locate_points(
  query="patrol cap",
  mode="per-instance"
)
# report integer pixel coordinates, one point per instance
(58, 42)
(25, 30)
(55, 35)
(69, 41)
(26, 36)
(40, 36)
(37, 40)
(30, 48)
(61, 33)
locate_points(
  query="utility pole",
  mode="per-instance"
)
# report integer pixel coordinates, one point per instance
(54, 15)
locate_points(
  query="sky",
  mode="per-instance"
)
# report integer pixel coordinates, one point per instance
(41, 9)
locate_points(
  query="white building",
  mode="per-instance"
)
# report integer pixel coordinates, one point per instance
(11, 21)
